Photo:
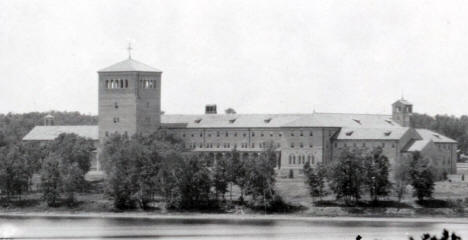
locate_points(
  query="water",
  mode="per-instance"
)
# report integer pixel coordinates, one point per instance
(238, 229)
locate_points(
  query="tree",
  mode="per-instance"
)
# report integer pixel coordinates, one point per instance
(234, 170)
(346, 175)
(13, 171)
(377, 168)
(194, 183)
(117, 162)
(422, 177)
(221, 177)
(261, 176)
(402, 176)
(75, 161)
(315, 180)
(51, 179)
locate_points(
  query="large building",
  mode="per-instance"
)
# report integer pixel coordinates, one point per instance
(130, 102)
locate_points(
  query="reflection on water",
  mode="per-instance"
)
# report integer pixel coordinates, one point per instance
(122, 228)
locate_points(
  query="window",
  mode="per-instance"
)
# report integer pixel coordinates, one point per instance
(116, 105)
(253, 145)
(336, 144)
(183, 134)
(245, 135)
(311, 145)
(294, 159)
(201, 134)
(209, 134)
(393, 145)
(301, 145)
(261, 134)
(301, 134)
(126, 83)
(292, 145)
(253, 134)
(116, 119)
(311, 133)
(107, 134)
(217, 134)
(235, 134)
(227, 134)
(121, 83)
(292, 134)
(107, 84)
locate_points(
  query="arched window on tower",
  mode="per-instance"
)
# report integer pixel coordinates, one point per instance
(121, 83)
(126, 83)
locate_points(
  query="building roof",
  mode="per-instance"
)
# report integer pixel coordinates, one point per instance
(41, 133)
(129, 65)
(278, 120)
(372, 133)
(427, 134)
(403, 101)
(419, 145)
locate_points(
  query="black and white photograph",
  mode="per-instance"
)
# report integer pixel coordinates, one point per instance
(234, 119)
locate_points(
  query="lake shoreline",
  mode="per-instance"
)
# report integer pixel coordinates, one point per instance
(224, 216)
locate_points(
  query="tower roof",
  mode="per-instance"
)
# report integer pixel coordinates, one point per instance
(129, 65)
(403, 101)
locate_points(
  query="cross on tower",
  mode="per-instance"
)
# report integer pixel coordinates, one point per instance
(129, 48)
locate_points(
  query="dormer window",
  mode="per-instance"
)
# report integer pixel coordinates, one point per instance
(232, 120)
(198, 120)
(437, 136)
(267, 120)
(389, 122)
(387, 133)
(357, 121)
(349, 133)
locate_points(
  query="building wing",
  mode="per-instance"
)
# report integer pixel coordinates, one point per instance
(47, 133)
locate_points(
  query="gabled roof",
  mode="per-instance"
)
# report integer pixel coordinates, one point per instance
(279, 120)
(129, 65)
(419, 145)
(371, 133)
(41, 133)
(427, 134)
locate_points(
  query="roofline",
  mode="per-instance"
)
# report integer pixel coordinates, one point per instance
(100, 71)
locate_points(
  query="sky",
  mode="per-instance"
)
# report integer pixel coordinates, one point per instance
(256, 56)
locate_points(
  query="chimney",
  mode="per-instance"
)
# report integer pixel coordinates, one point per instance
(210, 109)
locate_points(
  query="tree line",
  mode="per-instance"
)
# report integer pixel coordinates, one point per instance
(140, 168)
(358, 172)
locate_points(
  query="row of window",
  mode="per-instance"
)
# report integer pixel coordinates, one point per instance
(227, 145)
(444, 146)
(301, 159)
(147, 83)
(123, 83)
(383, 145)
(117, 83)
(235, 134)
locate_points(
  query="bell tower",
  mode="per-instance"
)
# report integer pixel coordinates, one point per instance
(401, 112)
(129, 99)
